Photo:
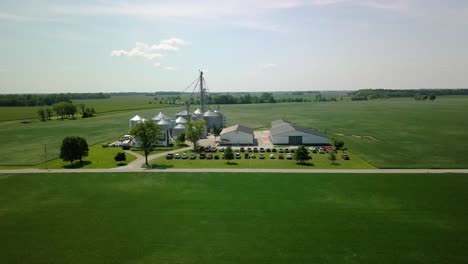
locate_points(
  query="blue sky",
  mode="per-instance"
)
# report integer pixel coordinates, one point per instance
(263, 45)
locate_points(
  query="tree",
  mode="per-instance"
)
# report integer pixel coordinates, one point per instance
(432, 97)
(301, 154)
(228, 154)
(181, 138)
(73, 148)
(338, 144)
(48, 113)
(194, 131)
(120, 157)
(332, 157)
(42, 114)
(216, 131)
(147, 134)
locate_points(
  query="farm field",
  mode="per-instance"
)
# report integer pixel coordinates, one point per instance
(319, 161)
(390, 133)
(113, 104)
(233, 218)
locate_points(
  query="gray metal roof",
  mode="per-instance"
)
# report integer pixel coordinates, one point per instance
(181, 120)
(159, 116)
(237, 127)
(198, 112)
(183, 113)
(164, 122)
(210, 113)
(179, 126)
(136, 118)
(279, 127)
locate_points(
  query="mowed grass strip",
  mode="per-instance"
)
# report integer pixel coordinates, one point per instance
(319, 161)
(98, 158)
(233, 218)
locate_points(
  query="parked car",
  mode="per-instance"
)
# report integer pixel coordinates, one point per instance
(238, 156)
(268, 150)
(177, 156)
(255, 150)
(272, 156)
(246, 156)
(222, 149)
(262, 150)
(312, 149)
(249, 149)
(293, 150)
(289, 156)
(345, 156)
(281, 150)
(213, 149)
(286, 150)
(273, 150)
(261, 156)
(184, 156)
(202, 155)
(209, 156)
(207, 148)
(242, 149)
(193, 156)
(321, 151)
(280, 156)
(253, 156)
(169, 156)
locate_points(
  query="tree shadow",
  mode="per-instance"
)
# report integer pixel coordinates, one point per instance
(335, 164)
(231, 163)
(160, 166)
(76, 165)
(305, 164)
(121, 164)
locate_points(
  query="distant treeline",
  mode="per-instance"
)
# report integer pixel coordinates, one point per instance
(367, 94)
(46, 99)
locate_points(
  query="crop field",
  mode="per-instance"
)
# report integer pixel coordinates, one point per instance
(233, 218)
(319, 161)
(390, 133)
(115, 103)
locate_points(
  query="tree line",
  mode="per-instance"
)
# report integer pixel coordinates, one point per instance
(46, 99)
(368, 94)
(65, 110)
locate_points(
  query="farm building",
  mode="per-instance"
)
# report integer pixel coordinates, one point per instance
(285, 133)
(237, 135)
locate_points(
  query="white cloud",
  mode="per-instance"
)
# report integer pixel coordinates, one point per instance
(269, 66)
(150, 52)
(169, 68)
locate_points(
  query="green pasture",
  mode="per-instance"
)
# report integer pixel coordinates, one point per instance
(98, 157)
(113, 104)
(388, 133)
(233, 218)
(319, 161)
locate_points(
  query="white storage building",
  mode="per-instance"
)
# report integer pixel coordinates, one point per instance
(285, 133)
(237, 135)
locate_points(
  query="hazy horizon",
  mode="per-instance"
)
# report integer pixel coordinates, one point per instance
(54, 46)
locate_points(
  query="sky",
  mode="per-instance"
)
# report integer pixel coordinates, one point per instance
(53, 46)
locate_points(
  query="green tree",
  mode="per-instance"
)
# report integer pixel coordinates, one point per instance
(120, 157)
(73, 148)
(181, 138)
(338, 144)
(228, 154)
(216, 131)
(48, 113)
(42, 114)
(332, 157)
(194, 131)
(301, 154)
(432, 97)
(147, 134)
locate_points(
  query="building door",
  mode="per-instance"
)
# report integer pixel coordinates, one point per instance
(295, 140)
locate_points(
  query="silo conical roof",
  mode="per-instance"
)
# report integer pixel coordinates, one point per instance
(136, 118)
(198, 112)
(181, 120)
(159, 116)
(179, 126)
(210, 113)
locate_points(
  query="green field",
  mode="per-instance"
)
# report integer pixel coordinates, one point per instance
(319, 161)
(390, 133)
(113, 104)
(233, 218)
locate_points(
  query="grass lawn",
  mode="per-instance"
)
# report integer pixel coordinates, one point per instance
(98, 157)
(233, 218)
(319, 161)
